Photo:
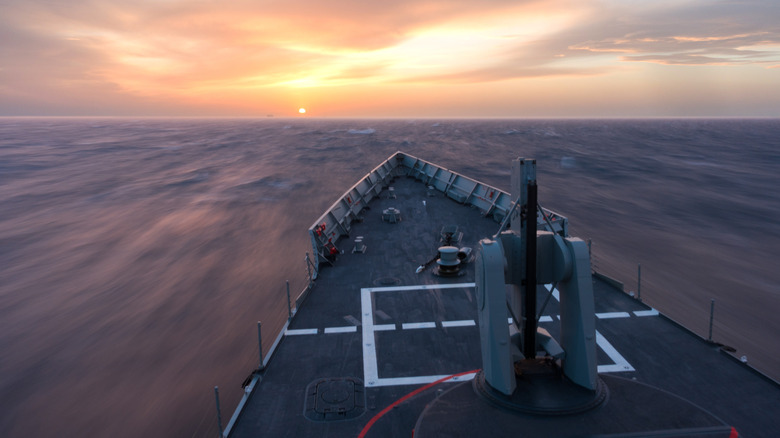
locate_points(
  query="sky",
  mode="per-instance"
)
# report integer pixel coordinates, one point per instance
(400, 58)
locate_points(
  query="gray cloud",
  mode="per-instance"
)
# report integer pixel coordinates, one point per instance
(63, 54)
(698, 33)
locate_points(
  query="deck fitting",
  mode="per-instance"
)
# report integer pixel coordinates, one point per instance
(334, 399)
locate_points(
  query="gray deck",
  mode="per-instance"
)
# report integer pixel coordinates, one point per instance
(392, 349)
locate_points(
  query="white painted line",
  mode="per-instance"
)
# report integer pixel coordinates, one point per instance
(554, 292)
(461, 323)
(370, 372)
(419, 287)
(543, 318)
(289, 332)
(418, 325)
(611, 315)
(620, 363)
(346, 329)
(370, 366)
(420, 380)
(651, 312)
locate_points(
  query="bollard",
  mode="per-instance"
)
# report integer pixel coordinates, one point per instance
(219, 413)
(289, 303)
(639, 281)
(260, 343)
(712, 314)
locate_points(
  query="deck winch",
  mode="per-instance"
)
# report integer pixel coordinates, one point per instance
(448, 263)
(450, 260)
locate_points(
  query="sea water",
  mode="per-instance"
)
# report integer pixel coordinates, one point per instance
(137, 255)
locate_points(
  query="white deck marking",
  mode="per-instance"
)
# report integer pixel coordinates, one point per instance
(370, 372)
(289, 332)
(461, 323)
(345, 329)
(417, 325)
(370, 366)
(620, 363)
(554, 292)
(421, 380)
(419, 287)
(611, 315)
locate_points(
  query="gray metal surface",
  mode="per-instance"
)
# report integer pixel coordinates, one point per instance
(421, 327)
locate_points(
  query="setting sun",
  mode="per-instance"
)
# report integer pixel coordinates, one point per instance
(434, 59)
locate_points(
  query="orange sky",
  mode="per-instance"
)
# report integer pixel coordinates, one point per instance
(421, 58)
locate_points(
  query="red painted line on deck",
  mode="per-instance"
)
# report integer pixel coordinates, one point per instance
(376, 418)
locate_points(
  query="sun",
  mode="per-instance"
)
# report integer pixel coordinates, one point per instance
(301, 110)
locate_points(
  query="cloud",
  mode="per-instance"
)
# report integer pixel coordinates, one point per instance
(132, 54)
(694, 33)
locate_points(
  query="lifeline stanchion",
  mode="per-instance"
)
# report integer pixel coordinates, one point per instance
(712, 314)
(639, 281)
(289, 303)
(260, 342)
(219, 413)
(308, 268)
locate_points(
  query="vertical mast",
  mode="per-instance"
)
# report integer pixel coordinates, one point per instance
(523, 222)
(529, 284)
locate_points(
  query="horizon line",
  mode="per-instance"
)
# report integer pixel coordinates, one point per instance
(309, 117)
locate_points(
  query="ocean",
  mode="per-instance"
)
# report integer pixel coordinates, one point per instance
(137, 255)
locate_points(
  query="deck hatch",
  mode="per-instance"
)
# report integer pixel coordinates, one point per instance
(333, 399)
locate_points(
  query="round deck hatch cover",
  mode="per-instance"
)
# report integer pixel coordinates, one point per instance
(333, 399)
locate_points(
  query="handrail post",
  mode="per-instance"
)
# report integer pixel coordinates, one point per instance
(712, 314)
(219, 413)
(308, 268)
(289, 303)
(639, 281)
(260, 342)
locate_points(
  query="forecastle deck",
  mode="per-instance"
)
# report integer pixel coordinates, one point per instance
(372, 331)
